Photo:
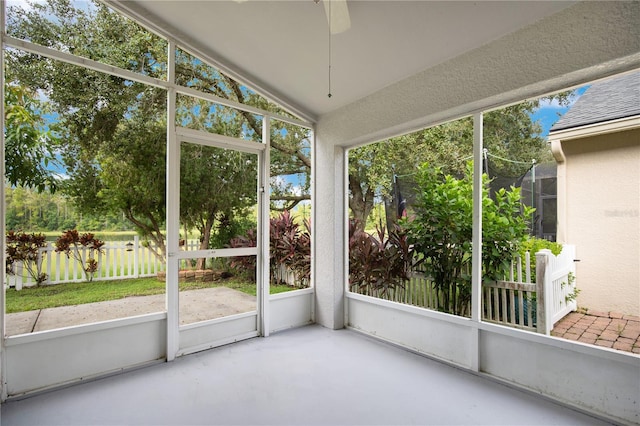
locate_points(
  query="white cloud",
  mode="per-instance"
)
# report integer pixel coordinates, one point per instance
(23, 4)
(289, 184)
(552, 103)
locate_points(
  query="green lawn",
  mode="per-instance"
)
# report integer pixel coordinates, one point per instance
(68, 294)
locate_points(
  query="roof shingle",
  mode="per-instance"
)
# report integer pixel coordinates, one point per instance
(604, 101)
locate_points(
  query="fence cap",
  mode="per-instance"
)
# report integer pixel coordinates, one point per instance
(542, 252)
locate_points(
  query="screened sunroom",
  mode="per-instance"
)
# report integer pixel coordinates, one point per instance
(222, 133)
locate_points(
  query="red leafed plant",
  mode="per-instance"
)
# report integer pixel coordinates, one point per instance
(82, 248)
(290, 245)
(290, 250)
(25, 248)
(379, 264)
(245, 264)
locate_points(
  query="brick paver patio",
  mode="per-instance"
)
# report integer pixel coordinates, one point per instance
(608, 329)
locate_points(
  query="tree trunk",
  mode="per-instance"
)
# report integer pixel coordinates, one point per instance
(153, 232)
(391, 211)
(205, 238)
(360, 203)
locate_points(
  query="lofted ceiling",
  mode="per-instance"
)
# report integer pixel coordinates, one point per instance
(281, 48)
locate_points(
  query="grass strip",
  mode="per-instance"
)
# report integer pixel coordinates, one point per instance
(68, 294)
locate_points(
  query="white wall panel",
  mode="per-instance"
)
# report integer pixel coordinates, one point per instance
(595, 379)
(208, 334)
(601, 381)
(435, 334)
(53, 358)
(291, 309)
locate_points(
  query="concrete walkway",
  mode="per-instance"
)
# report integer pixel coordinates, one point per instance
(607, 329)
(195, 305)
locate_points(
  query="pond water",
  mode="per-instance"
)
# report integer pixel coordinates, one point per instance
(104, 236)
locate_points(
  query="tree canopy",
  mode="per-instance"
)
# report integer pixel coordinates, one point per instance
(29, 144)
(508, 133)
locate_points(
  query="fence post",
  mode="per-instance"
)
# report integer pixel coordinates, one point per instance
(18, 275)
(543, 291)
(571, 252)
(49, 248)
(136, 261)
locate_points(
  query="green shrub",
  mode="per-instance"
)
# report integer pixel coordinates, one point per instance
(441, 232)
(534, 245)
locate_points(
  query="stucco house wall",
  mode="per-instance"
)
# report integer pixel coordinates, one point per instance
(597, 147)
(600, 196)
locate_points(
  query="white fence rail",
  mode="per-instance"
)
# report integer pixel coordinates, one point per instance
(512, 302)
(518, 301)
(559, 275)
(535, 306)
(118, 260)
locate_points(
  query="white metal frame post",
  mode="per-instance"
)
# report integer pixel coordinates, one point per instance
(344, 167)
(264, 197)
(476, 241)
(173, 213)
(312, 221)
(3, 392)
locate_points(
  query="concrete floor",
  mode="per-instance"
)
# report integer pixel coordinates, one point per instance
(310, 376)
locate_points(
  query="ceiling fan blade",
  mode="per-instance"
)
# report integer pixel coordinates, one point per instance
(339, 20)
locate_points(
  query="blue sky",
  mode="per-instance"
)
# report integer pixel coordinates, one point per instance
(550, 112)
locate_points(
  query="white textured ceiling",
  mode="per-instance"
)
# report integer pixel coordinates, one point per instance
(282, 47)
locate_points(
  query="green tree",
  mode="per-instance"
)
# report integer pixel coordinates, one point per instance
(508, 133)
(372, 167)
(29, 145)
(441, 232)
(230, 175)
(29, 210)
(291, 148)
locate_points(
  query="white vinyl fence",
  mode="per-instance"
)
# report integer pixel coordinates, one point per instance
(559, 274)
(521, 302)
(513, 301)
(518, 301)
(118, 260)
